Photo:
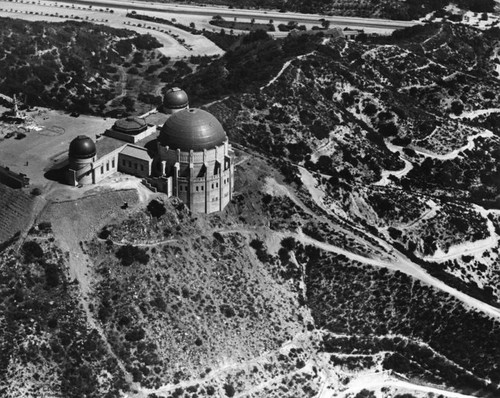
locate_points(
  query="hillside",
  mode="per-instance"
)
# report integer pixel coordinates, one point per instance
(256, 300)
(15, 211)
(358, 257)
(76, 66)
(394, 125)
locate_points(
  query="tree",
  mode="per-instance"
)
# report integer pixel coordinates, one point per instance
(229, 389)
(457, 107)
(388, 129)
(32, 251)
(51, 275)
(128, 254)
(156, 208)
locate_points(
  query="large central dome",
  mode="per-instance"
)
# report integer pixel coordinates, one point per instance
(192, 129)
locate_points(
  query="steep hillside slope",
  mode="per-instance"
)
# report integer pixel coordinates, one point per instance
(388, 125)
(15, 211)
(72, 65)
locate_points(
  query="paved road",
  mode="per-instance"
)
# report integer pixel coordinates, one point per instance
(351, 22)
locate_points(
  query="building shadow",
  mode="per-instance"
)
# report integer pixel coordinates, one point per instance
(151, 147)
(57, 172)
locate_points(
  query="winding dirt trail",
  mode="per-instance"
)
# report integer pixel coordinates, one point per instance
(399, 262)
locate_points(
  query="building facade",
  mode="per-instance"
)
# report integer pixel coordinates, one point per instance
(193, 159)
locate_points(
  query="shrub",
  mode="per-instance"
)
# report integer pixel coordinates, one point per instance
(365, 394)
(135, 335)
(51, 275)
(388, 129)
(31, 251)
(45, 226)
(289, 243)
(319, 130)
(457, 107)
(129, 254)
(370, 109)
(229, 389)
(156, 208)
(227, 310)
(104, 234)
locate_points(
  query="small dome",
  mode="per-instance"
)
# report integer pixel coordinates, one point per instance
(130, 125)
(193, 129)
(175, 98)
(82, 147)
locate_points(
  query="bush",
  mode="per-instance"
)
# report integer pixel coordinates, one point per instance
(457, 107)
(289, 243)
(365, 394)
(227, 310)
(229, 389)
(388, 129)
(156, 208)
(319, 130)
(31, 251)
(51, 275)
(129, 254)
(135, 335)
(45, 226)
(370, 109)
(104, 234)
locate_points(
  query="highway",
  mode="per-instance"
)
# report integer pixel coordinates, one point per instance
(279, 17)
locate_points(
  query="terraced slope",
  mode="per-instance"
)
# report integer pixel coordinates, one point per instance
(15, 211)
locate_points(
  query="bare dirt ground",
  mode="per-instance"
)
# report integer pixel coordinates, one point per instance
(47, 144)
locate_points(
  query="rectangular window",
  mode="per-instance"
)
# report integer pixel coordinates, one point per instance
(217, 185)
(202, 188)
(102, 169)
(212, 185)
(113, 163)
(142, 167)
(129, 163)
(107, 166)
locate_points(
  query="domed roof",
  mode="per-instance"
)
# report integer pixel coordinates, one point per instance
(175, 98)
(82, 147)
(193, 129)
(130, 125)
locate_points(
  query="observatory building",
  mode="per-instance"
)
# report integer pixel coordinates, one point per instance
(191, 157)
(194, 161)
